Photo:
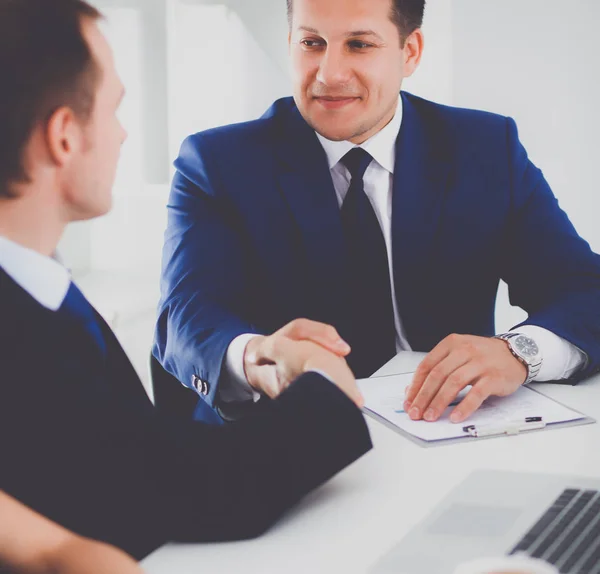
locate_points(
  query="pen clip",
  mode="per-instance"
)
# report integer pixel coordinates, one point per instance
(510, 428)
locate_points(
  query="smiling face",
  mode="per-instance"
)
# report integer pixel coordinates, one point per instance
(348, 62)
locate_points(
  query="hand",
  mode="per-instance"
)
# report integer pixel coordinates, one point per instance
(81, 555)
(458, 361)
(263, 377)
(287, 359)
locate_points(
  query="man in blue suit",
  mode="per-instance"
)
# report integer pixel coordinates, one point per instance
(390, 218)
(80, 442)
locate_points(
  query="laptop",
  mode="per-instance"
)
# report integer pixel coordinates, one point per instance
(494, 513)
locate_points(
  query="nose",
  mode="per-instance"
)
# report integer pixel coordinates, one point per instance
(124, 135)
(334, 68)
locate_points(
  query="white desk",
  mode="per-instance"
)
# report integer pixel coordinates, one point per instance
(347, 524)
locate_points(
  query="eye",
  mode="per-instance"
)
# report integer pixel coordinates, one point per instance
(311, 44)
(358, 45)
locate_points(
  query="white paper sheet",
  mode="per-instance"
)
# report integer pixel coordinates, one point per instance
(385, 396)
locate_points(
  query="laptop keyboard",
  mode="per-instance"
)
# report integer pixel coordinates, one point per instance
(568, 534)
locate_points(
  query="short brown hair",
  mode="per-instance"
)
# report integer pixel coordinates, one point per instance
(406, 14)
(45, 64)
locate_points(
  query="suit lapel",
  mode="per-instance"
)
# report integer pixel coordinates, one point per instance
(420, 181)
(306, 184)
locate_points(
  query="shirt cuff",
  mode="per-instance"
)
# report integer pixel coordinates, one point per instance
(233, 385)
(506, 564)
(560, 359)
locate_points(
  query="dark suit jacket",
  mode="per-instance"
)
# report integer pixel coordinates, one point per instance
(81, 443)
(254, 238)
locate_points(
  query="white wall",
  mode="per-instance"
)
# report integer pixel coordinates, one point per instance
(536, 60)
(434, 78)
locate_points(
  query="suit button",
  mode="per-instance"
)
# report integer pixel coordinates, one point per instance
(196, 383)
(205, 388)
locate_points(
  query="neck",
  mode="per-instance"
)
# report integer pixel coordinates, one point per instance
(32, 219)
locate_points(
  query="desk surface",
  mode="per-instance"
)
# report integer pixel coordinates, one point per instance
(349, 523)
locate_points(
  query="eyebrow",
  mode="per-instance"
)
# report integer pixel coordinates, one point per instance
(356, 33)
(353, 34)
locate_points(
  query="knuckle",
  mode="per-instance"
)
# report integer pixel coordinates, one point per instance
(437, 373)
(453, 338)
(455, 382)
(422, 369)
(479, 392)
(330, 332)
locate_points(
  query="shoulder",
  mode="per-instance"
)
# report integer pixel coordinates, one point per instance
(208, 157)
(456, 118)
(472, 138)
(244, 137)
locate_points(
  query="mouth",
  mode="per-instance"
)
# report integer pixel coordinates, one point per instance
(335, 103)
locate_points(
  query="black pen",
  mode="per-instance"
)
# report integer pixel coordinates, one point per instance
(527, 420)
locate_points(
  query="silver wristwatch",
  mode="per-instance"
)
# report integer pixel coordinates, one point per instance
(525, 349)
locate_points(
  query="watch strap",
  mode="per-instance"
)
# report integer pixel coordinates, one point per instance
(533, 366)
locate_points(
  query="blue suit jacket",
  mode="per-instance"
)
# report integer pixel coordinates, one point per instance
(81, 443)
(254, 238)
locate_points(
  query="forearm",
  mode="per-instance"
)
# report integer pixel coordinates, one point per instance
(304, 438)
(27, 540)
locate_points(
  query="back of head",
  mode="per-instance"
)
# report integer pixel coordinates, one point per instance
(45, 64)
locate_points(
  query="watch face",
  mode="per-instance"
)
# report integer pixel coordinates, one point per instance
(526, 346)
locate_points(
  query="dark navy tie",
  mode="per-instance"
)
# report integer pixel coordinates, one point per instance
(78, 307)
(373, 333)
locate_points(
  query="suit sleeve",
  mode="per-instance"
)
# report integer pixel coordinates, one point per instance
(204, 284)
(552, 273)
(261, 466)
(124, 474)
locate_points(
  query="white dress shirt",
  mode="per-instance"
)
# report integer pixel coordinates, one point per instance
(560, 358)
(45, 279)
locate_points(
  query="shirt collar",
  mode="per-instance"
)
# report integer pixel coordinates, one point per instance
(46, 280)
(382, 146)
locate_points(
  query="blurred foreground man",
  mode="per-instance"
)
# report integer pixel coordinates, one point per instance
(80, 442)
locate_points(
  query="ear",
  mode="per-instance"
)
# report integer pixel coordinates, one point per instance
(63, 136)
(413, 51)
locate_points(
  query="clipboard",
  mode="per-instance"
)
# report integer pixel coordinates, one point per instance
(582, 419)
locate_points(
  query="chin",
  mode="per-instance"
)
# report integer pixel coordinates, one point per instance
(87, 212)
(334, 133)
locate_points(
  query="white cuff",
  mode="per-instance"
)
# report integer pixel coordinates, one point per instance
(506, 564)
(233, 385)
(560, 359)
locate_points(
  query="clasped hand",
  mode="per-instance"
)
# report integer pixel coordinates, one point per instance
(272, 363)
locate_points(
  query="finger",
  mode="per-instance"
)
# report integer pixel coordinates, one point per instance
(351, 389)
(438, 354)
(270, 382)
(474, 399)
(324, 335)
(261, 350)
(435, 380)
(467, 374)
(359, 400)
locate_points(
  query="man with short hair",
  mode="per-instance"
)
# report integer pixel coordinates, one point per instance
(80, 442)
(386, 216)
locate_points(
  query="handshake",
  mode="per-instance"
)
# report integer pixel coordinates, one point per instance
(272, 363)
